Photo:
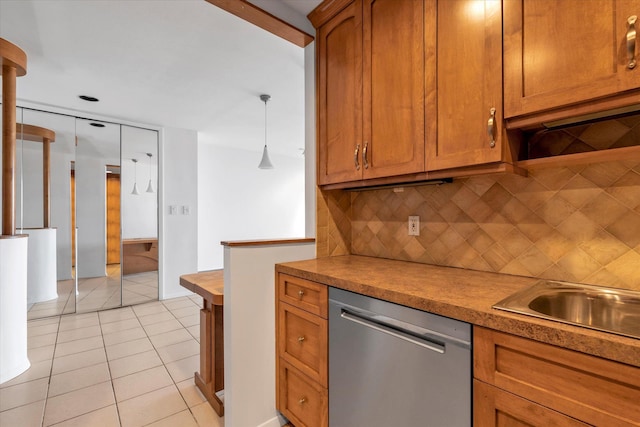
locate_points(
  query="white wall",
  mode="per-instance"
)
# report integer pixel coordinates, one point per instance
(310, 138)
(238, 201)
(179, 231)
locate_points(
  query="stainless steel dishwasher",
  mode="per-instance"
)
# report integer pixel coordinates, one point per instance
(391, 365)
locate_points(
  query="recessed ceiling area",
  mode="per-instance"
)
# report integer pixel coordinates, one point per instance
(175, 63)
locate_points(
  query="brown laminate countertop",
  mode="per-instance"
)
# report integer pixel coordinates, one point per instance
(208, 284)
(461, 294)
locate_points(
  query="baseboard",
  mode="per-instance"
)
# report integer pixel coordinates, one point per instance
(273, 422)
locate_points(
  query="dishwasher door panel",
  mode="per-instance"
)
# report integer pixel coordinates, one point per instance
(380, 375)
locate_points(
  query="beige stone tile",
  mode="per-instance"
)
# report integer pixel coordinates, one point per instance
(190, 393)
(120, 325)
(79, 402)
(128, 348)
(178, 351)
(115, 315)
(36, 371)
(556, 210)
(134, 363)
(104, 417)
(39, 354)
(169, 338)
(34, 331)
(515, 242)
(206, 416)
(78, 346)
(534, 261)
(497, 257)
(78, 321)
(627, 229)
(578, 228)
(578, 264)
(41, 340)
(23, 393)
(553, 179)
(604, 174)
(192, 320)
(78, 378)
(182, 419)
(162, 327)
(186, 311)
(579, 191)
(79, 333)
(149, 309)
(156, 318)
(627, 189)
(554, 245)
(23, 416)
(603, 209)
(151, 407)
(604, 248)
(124, 336)
(626, 268)
(42, 322)
(141, 382)
(179, 302)
(78, 360)
(183, 369)
(195, 332)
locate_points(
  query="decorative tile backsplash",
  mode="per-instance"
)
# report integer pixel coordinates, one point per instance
(580, 224)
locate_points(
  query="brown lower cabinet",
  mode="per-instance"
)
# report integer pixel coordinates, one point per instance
(302, 351)
(519, 381)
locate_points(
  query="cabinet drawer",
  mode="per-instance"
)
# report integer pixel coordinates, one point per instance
(304, 294)
(588, 388)
(301, 400)
(302, 341)
(497, 408)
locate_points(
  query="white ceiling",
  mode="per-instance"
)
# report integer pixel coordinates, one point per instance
(176, 63)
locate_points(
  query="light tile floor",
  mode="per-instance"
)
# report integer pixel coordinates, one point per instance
(130, 366)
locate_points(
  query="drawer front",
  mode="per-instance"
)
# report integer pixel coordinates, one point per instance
(302, 341)
(301, 400)
(305, 294)
(498, 408)
(588, 388)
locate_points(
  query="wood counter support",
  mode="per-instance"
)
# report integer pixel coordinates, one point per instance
(210, 380)
(14, 64)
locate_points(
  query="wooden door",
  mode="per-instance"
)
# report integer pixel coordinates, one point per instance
(469, 85)
(393, 87)
(494, 407)
(113, 218)
(339, 67)
(562, 52)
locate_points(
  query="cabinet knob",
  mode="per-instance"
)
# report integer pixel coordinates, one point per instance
(300, 293)
(302, 400)
(631, 42)
(491, 127)
(365, 162)
(355, 157)
(300, 339)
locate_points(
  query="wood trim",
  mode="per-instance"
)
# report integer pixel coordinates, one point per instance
(253, 14)
(609, 155)
(12, 56)
(267, 242)
(46, 183)
(8, 149)
(326, 10)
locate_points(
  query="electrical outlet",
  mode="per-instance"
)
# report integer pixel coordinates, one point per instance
(414, 225)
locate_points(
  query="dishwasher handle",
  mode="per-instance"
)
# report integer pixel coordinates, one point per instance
(393, 331)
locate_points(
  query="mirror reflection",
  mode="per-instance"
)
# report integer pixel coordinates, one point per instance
(45, 153)
(87, 196)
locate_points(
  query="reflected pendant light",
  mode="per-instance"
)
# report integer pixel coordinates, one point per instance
(135, 177)
(265, 163)
(150, 186)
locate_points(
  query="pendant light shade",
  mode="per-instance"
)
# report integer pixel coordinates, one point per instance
(265, 163)
(150, 186)
(135, 177)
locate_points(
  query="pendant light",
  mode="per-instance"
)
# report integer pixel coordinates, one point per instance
(265, 163)
(150, 186)
(135, 177)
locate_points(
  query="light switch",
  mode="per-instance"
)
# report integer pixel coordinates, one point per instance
(185, 210)
(173, 210)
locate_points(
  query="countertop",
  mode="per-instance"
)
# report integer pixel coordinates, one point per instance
(461, 294)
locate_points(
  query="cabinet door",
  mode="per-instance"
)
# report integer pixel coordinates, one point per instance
(469, 82)
(563, 52)
(497, 408)
(339, 44)
(393, 89)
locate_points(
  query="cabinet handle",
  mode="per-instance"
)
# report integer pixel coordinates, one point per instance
(631, 42)
(491, 127)
(365, 162)
(355, 157)
(300, 339)
(300, 293)
(302, 400)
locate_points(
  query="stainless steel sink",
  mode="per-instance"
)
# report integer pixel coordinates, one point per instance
(595, 307)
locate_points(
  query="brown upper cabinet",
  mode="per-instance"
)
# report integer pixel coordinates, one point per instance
(569, 57)
(371, 89)
(468, 105)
